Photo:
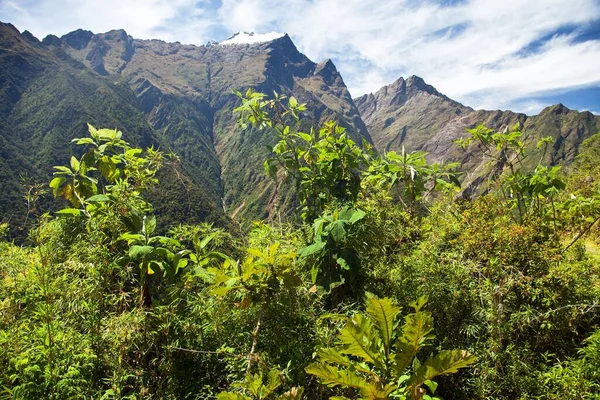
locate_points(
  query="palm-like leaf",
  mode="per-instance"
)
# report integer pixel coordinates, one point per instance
(383, 312)
(416, 330)
(446, 362)
(333, 376)
(359, 339)
(369, 339)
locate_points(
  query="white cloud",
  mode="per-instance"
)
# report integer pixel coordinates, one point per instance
(144, 19)
(468, 51)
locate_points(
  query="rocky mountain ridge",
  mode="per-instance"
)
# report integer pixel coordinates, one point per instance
(179, 97)
(413, 115)
(181, 94)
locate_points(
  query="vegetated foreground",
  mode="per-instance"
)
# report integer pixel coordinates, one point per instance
(383, 286)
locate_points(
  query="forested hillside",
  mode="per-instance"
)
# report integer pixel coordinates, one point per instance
(384, 285)
(47, 99)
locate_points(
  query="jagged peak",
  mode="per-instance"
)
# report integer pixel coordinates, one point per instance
(51, 40)
(116, 34)
(555, 109)
(9, 26)
(419, 83)
(251, 38)
(77, 32)
(325, 65)
(77, 39)
(29, 36)
(411, 84)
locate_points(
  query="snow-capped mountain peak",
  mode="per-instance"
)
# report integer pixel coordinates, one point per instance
(251, 37)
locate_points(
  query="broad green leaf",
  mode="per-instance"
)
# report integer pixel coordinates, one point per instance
(254, 383)
(431, 385)
(231, 396)
(383, 312)
(359, 339)
(446, 362)
(69, 211)
(415, 331)
(139, 251)
(357, 215)
(93, 131)
(63, 169)
(133, 152)
(273, 382)
(132, 237)
(83, 141)
(305, 136)
(97, 198)
(108, 133)
(107, 168)
(332, 376)
(55, 184)
(332, 356)
(311, 249)
(375, 391)
(337, 230)
(74, 164)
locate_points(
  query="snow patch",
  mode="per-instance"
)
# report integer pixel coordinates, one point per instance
(251, 37)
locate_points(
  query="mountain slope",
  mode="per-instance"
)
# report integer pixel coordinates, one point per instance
(179, 97)
(413, 115)
(185, 92)
(46, 99)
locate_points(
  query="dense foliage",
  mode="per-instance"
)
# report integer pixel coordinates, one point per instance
(99, 304)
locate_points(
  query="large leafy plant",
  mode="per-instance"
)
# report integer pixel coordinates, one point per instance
(410, 172)
(377, 356)
(259, 387)
(110, 173)
(324, 163)
(105, 185)
(528, 192)
(334, 257)
(151, 253)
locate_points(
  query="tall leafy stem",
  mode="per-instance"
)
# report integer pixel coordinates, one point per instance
(324, 163)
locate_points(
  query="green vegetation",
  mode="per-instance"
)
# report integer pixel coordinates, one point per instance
(100, 304)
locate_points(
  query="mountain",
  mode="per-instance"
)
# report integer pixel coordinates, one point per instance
(46, 99)
(185, 92)
(177, 97)
(413, 115)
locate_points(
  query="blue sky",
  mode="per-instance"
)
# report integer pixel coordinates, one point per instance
(511, 54)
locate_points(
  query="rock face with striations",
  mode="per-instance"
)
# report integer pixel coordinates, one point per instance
(185, 91)
(180, 96)
(46, 99)
(412, 114)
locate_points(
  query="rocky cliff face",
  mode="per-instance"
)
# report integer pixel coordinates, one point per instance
(46, 99)
(412, 114)
(177, 96)
(185, 92)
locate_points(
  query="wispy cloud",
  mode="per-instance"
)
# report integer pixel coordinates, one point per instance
(182, 20)
(479, 52)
